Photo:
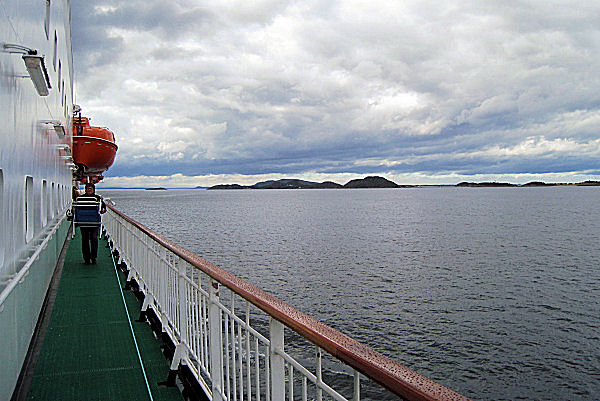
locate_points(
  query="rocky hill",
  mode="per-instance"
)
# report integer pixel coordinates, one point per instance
(371, 182)
(292, 183)
(378, 182)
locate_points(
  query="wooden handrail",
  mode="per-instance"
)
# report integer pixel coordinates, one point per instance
(393, 376)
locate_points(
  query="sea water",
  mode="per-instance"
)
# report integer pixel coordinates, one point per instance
(493, 292)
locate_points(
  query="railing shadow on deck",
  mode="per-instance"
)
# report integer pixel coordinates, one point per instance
(230, 334)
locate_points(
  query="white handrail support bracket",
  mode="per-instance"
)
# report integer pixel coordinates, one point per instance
(277, 363)
(216, 342)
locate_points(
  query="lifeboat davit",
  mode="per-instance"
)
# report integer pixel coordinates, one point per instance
(94, 149)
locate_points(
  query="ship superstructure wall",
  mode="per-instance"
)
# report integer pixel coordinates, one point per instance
(35, 175)
(232, 335)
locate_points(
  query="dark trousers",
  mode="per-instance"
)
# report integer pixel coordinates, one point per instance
(89, 242)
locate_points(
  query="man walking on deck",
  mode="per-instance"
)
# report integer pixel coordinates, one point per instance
(91, 226)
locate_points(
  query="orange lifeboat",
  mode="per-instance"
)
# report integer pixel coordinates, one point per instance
(94, 149)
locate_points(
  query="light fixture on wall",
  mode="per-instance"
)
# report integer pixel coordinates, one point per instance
(60, 130)
(35, 67)
(64, 147)
(38, 73)
(58, 126)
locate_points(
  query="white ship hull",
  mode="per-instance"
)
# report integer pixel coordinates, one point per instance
(35, 175)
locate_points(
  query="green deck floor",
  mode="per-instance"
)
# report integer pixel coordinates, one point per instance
(88, 352)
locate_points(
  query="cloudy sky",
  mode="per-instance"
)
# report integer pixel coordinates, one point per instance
(200, 93)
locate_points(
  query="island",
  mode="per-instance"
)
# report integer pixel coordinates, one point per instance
(156, 189)
(226, 186)
(284, 184)
(293, 183)
(371, 182)
(539, 184)
(381, 182)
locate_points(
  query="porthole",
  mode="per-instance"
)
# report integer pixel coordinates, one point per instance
(63, 198)
(28, 209)
(55, 51)
(44, 203)
(55, 198)
(52, 202)
(47, 20)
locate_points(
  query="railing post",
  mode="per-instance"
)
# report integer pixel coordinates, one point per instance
(216, 343)
(277, 362)
(183, 307)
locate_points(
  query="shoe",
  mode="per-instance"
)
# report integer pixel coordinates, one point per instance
(86, 262)
(93, 261)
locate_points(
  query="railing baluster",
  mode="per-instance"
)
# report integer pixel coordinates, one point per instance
(227, 359)
(199, 332)
(248, 370)
(319, 375)
(268, 372)
(233, 352)
(203, 349)
(221, 367)
(257, 368)
(291, 382)
(304, 389)
(241, 361)
(356, 396)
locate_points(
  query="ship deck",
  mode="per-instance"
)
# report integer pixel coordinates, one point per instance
(89, 350)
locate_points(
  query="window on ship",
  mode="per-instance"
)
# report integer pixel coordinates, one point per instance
(47, 20)
(52, 202)
(28, 212)
(55, 50)
(44, 203)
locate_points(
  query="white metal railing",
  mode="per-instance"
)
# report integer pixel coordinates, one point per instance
(231, 334)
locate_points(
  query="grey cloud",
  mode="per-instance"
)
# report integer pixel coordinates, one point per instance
(170, 18)
(95, 42)
(320, 86)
